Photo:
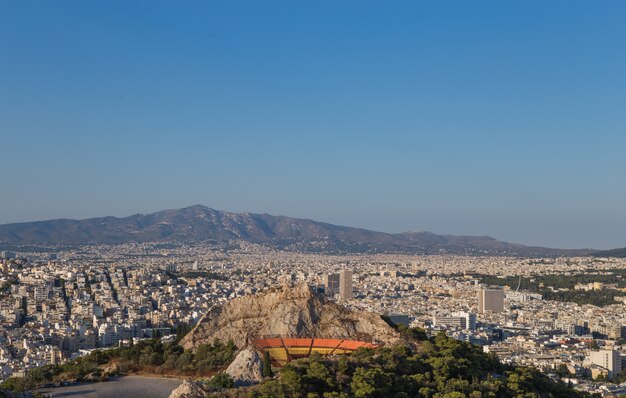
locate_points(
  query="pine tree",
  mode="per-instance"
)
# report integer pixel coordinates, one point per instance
(267, 366)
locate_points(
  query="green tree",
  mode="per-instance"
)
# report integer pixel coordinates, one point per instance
(562, 371)
(184, 361)
(291, 381)
(267, 365)
(319, 376)
(221, 381)
(454, 394)
(361, 386)
(370, 383)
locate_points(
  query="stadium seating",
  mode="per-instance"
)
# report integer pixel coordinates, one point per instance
(284, 349)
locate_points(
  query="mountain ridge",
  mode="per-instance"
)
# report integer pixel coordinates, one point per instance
(198, 222)
(619, 253)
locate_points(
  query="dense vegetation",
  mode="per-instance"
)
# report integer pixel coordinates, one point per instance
(435, 367)
(548, 286)
(598, 298)
(441, 367)
(147, 356)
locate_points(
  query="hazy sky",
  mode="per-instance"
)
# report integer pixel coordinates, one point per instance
(496, 118)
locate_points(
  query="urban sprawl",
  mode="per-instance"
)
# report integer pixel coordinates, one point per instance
(58, 303)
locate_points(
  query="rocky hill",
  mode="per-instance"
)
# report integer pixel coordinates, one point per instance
(287, 311)
(200, 223)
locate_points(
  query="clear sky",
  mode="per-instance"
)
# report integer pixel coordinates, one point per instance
(495, 118)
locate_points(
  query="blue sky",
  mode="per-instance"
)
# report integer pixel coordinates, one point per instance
(485, 118)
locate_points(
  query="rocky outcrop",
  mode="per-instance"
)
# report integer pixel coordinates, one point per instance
(189, 389)
(247, 368)
(290, 312)
(111, 369)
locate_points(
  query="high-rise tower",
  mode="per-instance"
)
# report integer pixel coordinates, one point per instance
(490, 300)
(345, 285)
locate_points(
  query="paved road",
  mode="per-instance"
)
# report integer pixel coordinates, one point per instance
(127, 386)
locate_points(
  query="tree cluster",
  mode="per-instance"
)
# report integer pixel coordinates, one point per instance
(544, 285)
(147, 356)
(439, 367)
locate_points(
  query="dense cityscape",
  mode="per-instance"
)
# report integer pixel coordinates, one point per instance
(236, 199)
(59, 303)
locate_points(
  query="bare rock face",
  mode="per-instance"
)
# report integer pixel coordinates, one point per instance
(290, 312)
(246, 368)
(189, 389)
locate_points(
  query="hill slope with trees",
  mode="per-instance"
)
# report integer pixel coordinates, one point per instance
(439, 367)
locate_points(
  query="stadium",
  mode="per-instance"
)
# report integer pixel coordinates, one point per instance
(285, 349)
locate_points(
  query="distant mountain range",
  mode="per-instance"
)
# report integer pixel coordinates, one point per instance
(197, 223)
(610, 253)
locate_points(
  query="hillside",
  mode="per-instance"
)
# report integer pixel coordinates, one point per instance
(620, 253)
(287, 311)
(197, 223)
(440, 368)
